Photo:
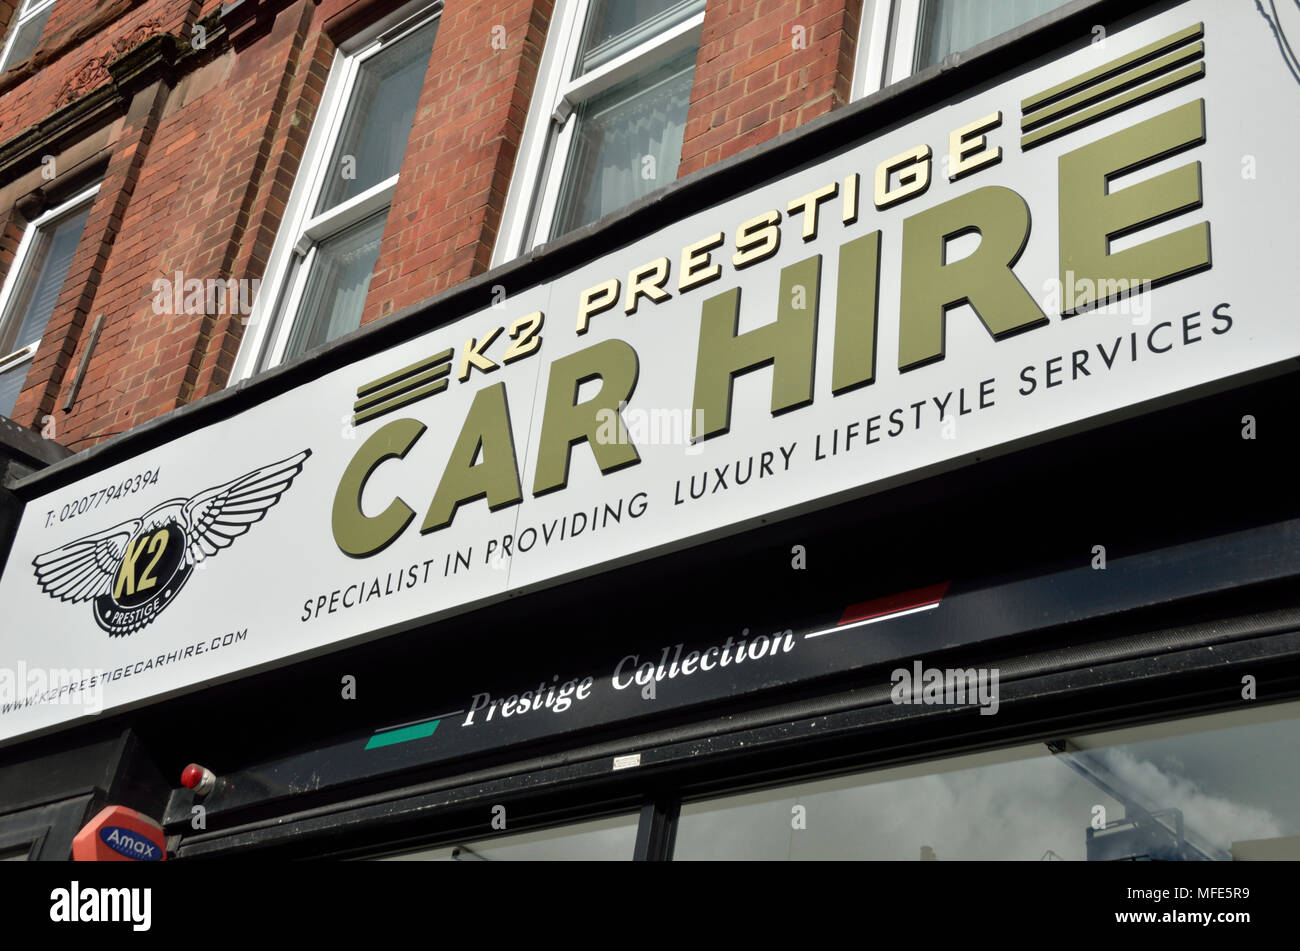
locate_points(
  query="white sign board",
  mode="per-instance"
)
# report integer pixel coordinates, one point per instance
(819, 334)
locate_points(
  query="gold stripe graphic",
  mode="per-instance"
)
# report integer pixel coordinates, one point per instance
(388, 407)
(1114, 86)
(1107, 70)
(385, 381)
(402, 387)
(1119, 103)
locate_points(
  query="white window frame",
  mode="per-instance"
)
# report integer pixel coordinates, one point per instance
(18, 272)
(25, 13)
(544, 151)
(887, 34)
(270, 325)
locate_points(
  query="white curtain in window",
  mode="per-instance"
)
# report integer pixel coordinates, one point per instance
(335, 296)
(626, 146)
(951, 25)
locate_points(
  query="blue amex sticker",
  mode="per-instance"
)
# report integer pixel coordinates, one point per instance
(128, 843)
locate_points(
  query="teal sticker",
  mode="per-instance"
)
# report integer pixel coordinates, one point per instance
(404, 734)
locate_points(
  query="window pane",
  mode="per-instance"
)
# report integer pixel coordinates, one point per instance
(1209, 787)
(41, 281)
(379, 117)
(951, 25)
(43, 272)
(604, 839)
(336, 288)
(11, 384)
(27, 38)
(627, 143)
(616, 26)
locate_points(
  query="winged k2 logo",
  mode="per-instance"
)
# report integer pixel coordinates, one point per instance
(132, 571)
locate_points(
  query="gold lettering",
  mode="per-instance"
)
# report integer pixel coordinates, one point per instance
(126, 574)
(159, 541)
(808, 205)
(966, 151)
(757, 239)
(696, 269)
(596, 299)
(472, 355)
(913, 168)
(647, 280)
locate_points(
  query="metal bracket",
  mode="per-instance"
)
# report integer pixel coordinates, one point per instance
(73, 390)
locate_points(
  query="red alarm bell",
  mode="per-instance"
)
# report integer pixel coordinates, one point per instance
(198, 778)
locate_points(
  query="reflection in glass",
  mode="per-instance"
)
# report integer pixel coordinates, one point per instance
(336, 288)
(615, 26)
(1204, 788)
(379, 118)
(603, 839)
(627, 143)
(948, 26)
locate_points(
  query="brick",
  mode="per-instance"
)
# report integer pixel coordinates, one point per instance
(768, 85)
(201, 182)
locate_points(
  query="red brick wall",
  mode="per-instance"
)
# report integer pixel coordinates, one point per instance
(213, 181)
(201, 172)
(765, 68)
(197, 184)
(85, 277)
(80, 39)
(272, 169)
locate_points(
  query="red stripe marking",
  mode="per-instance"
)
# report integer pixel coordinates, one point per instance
(879, 607)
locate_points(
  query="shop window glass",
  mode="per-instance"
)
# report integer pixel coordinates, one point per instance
(1221, 787)
(602, 839)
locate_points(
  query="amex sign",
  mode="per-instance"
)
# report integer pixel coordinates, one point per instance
(1107, 231)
